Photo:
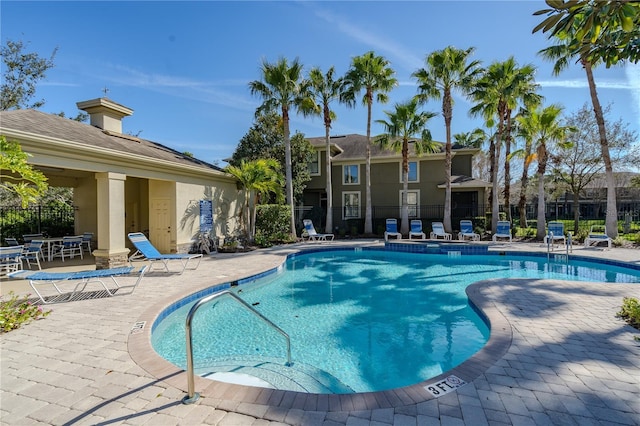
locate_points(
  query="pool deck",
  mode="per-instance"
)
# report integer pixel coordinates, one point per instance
(557, 355)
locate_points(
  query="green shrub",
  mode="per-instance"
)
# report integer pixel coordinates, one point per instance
(272, 224)
(630, 311)
(17, 311)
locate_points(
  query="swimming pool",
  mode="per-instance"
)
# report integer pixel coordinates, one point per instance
(340, 308)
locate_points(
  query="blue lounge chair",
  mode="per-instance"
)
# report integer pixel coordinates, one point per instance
(503, 230)
(437, 231)
(392, 230)
(416, 230)
(555, 233)
(312, 234)
(146, 251)
(466, 231)
(81, 280)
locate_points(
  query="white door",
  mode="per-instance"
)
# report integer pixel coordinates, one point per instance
(160, 226)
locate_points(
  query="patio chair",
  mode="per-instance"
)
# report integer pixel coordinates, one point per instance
(312, 234)
(81, 280)
(503, 230)
(33, 253)
(10, 259)
(70, 247)
(416, 230)
(147, 251)
(11, 241)
(392, 230)
(466, 231)
(87, 237)
(597, 235)
(437, 231)
(555, 233)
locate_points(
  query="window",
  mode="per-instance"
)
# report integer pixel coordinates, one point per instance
(351, 174)
(314, 164)
(413, 171)
(413, 201)
(351, 205)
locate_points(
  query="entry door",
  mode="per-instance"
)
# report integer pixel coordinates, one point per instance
(160, 226)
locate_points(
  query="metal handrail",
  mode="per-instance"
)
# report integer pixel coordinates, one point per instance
(192, 396)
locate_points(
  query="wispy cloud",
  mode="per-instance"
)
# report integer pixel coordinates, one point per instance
(204, 91)
(403, 56)
(579, 84)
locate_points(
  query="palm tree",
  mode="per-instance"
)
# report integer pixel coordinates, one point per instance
(473, 139)
(374, 75)
(283, 88)
(590, 33)
(257, 177)
(401, 127)
(447, 70)
(326, 89)
(543, 127)
(525, 131)
(498, 92)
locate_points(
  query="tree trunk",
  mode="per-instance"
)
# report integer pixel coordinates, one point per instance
(576, 212)
(288, 173)
(447, 113)
(404, 214)
(542, 167)
(507, 168)
(368, 225)
(329, 224)
(611, 221)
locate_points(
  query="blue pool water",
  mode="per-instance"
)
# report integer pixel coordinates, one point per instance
(358, 321)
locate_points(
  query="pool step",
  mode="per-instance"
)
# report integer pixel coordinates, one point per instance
(272, 373)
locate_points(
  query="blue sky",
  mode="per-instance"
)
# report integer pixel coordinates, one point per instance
(184, 67)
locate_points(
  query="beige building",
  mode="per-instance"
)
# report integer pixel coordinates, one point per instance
(125, 184)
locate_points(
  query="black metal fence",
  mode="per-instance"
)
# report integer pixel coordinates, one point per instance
(47, 220)
(591, 213)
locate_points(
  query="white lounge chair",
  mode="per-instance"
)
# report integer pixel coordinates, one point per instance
(313, 235)
(503, 230)
(146, 251)
(392, 230)
(597, 235)
(555, 234)
(438, 231)
(81, 280)
(416, 230)
(466, 231)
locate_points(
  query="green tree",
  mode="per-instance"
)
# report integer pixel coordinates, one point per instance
(544, 127)
(283, 88)
(265, 139)
(401, 127)
(257, 177)
(608, 30)
(578, 166)
(374, 75)
(498, 92)
(21, 73)
(17, 176)
(447, 71)
(326, 89)
(592, 33)
(472, 139)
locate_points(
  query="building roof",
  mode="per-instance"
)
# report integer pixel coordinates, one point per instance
(462, 181)
(43, 124)
(354, 146)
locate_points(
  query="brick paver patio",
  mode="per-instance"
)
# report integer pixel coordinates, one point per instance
(557, 355)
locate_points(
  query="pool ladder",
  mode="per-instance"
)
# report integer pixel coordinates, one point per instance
(192, 396)
(569, 247)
